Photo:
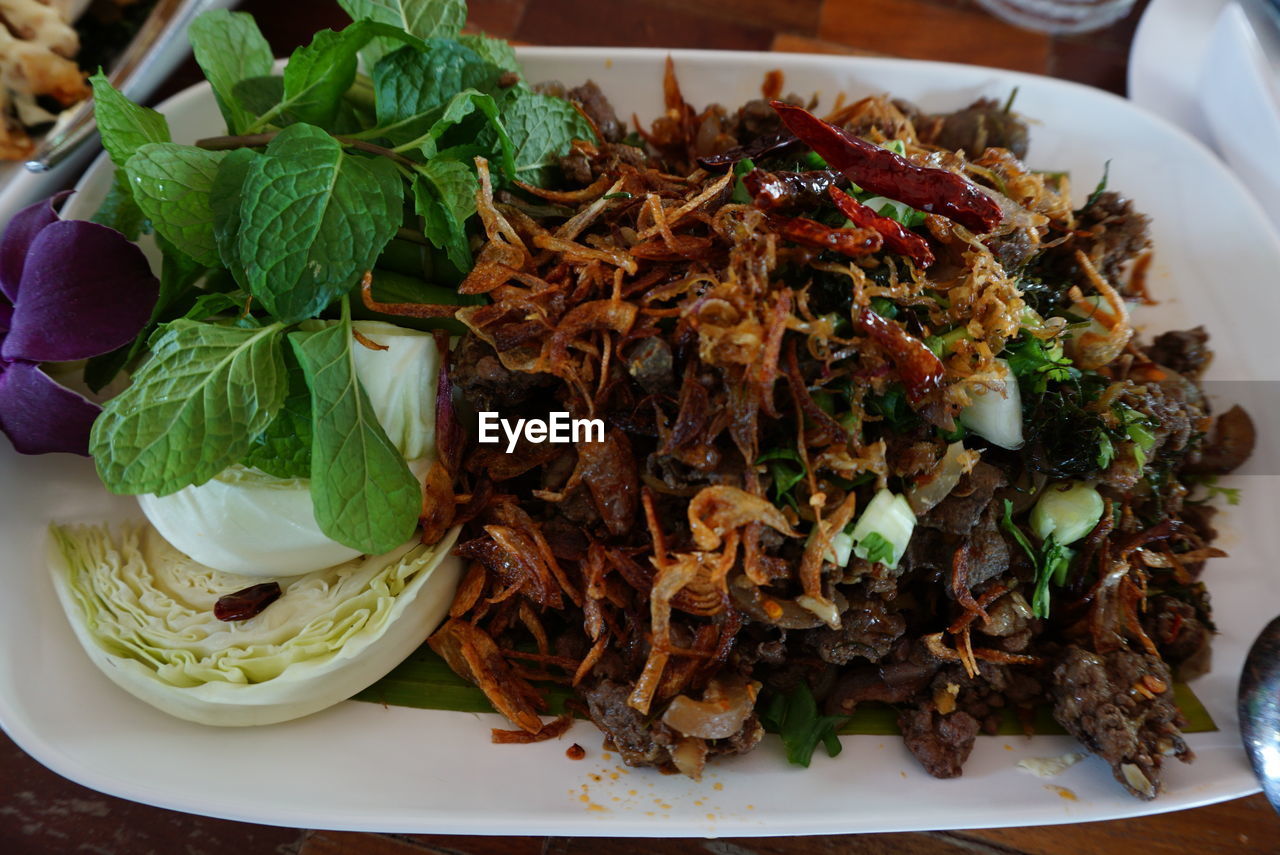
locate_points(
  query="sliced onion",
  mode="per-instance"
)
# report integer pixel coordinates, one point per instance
(720, 714)
(995, 413)
(938, 484)
(690, 757)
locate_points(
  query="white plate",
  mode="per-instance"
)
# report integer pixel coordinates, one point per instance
(1167, 59)
(360, 766)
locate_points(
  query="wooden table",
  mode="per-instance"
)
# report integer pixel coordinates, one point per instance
(42, 813)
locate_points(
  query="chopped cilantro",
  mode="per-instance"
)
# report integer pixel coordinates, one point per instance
(787, 470)
(794, 716)
(1051, 562)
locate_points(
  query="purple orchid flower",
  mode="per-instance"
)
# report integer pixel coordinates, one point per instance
(71, 290)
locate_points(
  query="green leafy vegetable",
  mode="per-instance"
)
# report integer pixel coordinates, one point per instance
(787, 470)
(171, 184)
(192, 409)
(119, 211)
(426, 19)
(313, 219)
(1212, 489)
(1051, 563)
(224, 205)
(794, 716)
(284, 448)
(494, 51)
(1037, 362)
(365, 496)
(541, 128)
(124, 126)
(412, 87)
(444, 196)
(230, 48)
(1102, 185)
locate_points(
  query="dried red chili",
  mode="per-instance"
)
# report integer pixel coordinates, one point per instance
(897, 237)
(247, 602)
(879, 170)
(920, 369)
(850, 242)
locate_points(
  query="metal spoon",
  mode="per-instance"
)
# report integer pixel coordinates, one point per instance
(169, 19)
(1259, 710)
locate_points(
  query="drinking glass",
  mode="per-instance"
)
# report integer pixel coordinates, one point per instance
(1059, 16)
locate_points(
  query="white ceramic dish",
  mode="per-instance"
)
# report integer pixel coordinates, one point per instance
(362, 766)
(1167, 59)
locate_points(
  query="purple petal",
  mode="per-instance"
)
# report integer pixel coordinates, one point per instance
(18, 235)
(85, 290)
(39, 416)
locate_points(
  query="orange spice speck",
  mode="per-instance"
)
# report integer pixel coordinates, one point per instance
(717, 786)
(1063, 792)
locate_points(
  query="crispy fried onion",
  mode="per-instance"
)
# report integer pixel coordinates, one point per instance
(714, 511)
(553, 729)
(1091, 350)
(472, 654)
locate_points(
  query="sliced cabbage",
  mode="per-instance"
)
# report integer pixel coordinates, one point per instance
(143, 612)
(401, 384)
(247, 522)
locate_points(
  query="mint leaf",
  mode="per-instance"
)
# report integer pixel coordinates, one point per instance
(224, 204)
(313, 219)
(445, 196)
(230, 48)
(365, 496)
(118, 209)
(191, 410)
(284, 448)
(171, 184)
(261, 97)
(426, 19)
(794, 717)
(208, 305)
(122, 124)
(495, 51)
(411, 86)
(541, 128)
(460, 106)
(318, 73)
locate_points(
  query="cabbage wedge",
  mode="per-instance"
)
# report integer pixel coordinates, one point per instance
(143, 612)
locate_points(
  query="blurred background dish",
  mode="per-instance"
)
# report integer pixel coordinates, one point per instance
(49, 51)
(1059, 16)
